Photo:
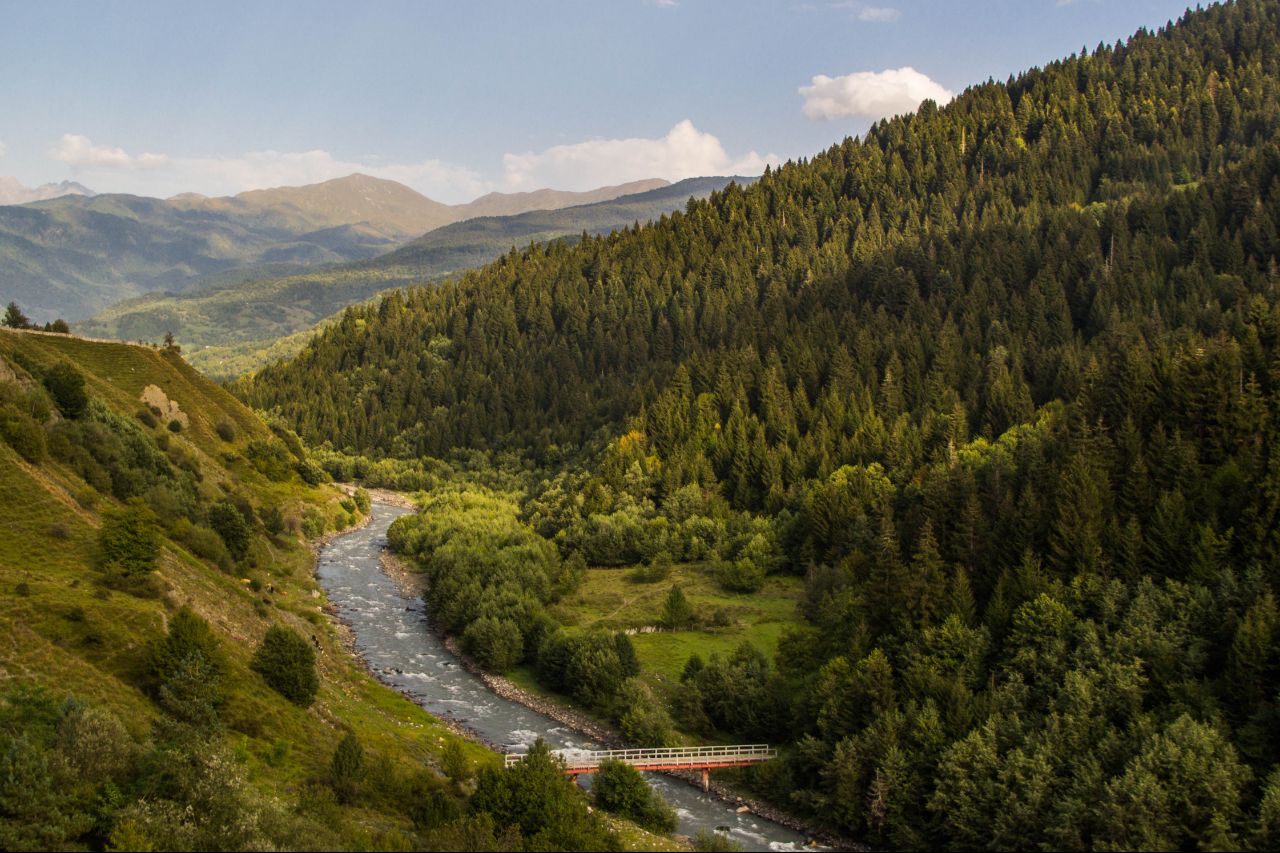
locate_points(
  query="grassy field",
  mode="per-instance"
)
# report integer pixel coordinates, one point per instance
(609, 598)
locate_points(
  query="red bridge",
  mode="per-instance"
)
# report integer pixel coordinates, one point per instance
(704, 758)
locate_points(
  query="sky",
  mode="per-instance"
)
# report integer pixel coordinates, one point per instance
(457, 99)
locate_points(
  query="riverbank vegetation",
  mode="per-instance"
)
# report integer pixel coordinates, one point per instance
(993, 386)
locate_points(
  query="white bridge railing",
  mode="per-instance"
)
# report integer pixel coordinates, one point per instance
(581, 760)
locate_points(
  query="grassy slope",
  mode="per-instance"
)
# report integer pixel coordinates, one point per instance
(66, 633)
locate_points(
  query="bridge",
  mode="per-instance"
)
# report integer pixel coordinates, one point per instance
(704, 758)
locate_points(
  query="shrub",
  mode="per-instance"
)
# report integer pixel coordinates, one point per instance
(225, 429)
(311, 473)
(189, 636)
(272, 519)
(593, 672)
(346, 769)
(657, 569)
(128, 542)
(453, 761)
(643, 720)
(170, 500)
(537, 797)
(570, 574)
(66, 385)
(435, 808)
(23, 434)
(628, 663)
(619, 788)
(312, 523)
(496, 644)
(692, 667)
(175, 425)
(361, 497)
(148, 419)
(230, 525)
(270, 458)
(741, 575)
(205, 543)
(95, 744)
(287, 662)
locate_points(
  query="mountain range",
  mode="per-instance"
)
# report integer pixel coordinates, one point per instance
(241, 315)
(75, 254)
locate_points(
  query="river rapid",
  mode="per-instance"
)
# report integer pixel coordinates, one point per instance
(393, 635)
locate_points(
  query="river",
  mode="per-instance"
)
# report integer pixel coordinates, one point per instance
(392, 634)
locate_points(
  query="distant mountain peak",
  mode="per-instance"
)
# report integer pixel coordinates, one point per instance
(14, 192)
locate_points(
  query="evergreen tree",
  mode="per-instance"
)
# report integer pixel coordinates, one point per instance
(14, 318)
(286, 660)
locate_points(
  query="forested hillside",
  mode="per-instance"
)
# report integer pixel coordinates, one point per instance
(998, 380)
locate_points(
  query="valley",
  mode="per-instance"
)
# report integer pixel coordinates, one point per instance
(396, 643)
(990, 455)
(936, 473)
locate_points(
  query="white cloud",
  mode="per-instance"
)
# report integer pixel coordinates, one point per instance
(79, 152)
(867, 13)
(685, 152)
(872, 94)
(878, 14)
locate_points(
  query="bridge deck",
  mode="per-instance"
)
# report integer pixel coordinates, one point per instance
(673, 758)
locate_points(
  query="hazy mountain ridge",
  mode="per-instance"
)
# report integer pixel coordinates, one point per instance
(75, 254)
(387, 207)
(511, 204)
(12, 191)
(261, 310)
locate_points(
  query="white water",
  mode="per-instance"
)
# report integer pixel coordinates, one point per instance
(391, 632)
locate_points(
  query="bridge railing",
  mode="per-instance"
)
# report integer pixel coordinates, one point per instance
(685, 756)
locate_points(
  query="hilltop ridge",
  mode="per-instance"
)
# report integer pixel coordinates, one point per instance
(74, 253)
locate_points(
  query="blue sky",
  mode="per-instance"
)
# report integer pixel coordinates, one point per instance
(457, 99)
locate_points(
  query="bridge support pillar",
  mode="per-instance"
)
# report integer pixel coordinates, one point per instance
(706, 780)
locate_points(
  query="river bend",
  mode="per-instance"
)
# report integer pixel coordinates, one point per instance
(392, 634)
